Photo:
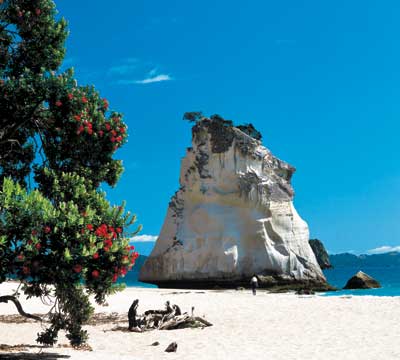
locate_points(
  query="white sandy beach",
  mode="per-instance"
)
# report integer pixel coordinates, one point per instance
(266, 326)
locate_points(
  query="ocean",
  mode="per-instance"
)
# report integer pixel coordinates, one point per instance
(388, 276)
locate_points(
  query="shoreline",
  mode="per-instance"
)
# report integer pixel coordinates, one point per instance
(274, 326)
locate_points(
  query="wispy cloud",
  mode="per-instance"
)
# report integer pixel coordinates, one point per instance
(383, 249)
(129, 70)
(154, 79)
(144, 238)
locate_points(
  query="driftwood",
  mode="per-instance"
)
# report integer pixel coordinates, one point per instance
(7, 298)
(169, 318)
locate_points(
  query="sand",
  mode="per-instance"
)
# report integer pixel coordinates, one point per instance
(265, 326)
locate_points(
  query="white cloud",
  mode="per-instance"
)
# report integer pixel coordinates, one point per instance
(153, 79)
(144, 238)
(383, 249)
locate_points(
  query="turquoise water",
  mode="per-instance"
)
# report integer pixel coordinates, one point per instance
(131, 280)
(389, 278)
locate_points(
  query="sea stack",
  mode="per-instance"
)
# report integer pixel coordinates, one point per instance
(232, 217)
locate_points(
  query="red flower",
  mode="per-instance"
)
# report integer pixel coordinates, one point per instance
(38, 12)
(84, 99)
(133, 260)
(119, 138)
(135, 255)
(29, 242)
(77, 268)
(58, 103)
(77, 117)
(38, 246)
(80, 129)
(106, 249)
(89, 130)
(89, 227)
(21, 257)
(122, 130)
(112, 139)
(34, 232)
(82, 231)
(95, 273)
(123, 271)
(115, 277)
(124, 258)
(101, 132)
(108, 243)
(114, 133)
(47, 229)
(95, 256)
(119, 230)
(132, 247)
(108, 126)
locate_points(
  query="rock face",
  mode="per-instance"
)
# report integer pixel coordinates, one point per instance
(362, 281)
(320, 253)
(232, 217)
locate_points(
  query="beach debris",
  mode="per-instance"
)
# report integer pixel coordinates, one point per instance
(362, 281)
(155, 343)
(167, 319)
(172, 347)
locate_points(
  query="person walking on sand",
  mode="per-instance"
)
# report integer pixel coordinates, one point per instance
(254, 284)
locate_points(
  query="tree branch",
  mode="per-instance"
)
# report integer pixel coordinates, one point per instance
(7, 298)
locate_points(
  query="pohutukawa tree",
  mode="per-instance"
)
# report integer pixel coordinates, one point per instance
(59, 236)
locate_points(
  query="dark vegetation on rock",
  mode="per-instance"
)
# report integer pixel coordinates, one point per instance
(222, 131)
(320, 253)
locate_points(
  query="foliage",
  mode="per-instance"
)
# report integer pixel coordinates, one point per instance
(193, 116)
(62, 238)
(219, 123)
(250, 130)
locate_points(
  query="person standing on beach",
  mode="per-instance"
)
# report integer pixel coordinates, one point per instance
(254, 284)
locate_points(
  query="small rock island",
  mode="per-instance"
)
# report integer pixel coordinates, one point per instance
(232, 217)
(362, 281)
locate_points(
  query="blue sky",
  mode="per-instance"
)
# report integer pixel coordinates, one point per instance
(320, 80)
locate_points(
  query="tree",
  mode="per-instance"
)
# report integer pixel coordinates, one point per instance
(193, 116)
(250, 130)
(59, 236)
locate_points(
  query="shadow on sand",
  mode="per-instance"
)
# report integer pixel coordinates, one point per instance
(32, 356)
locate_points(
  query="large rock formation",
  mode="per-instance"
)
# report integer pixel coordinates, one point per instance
(232, 216)
(320, 253)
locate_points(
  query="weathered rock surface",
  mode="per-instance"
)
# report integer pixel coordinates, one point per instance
(362, 281)
(320, 253)
(232, 217)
